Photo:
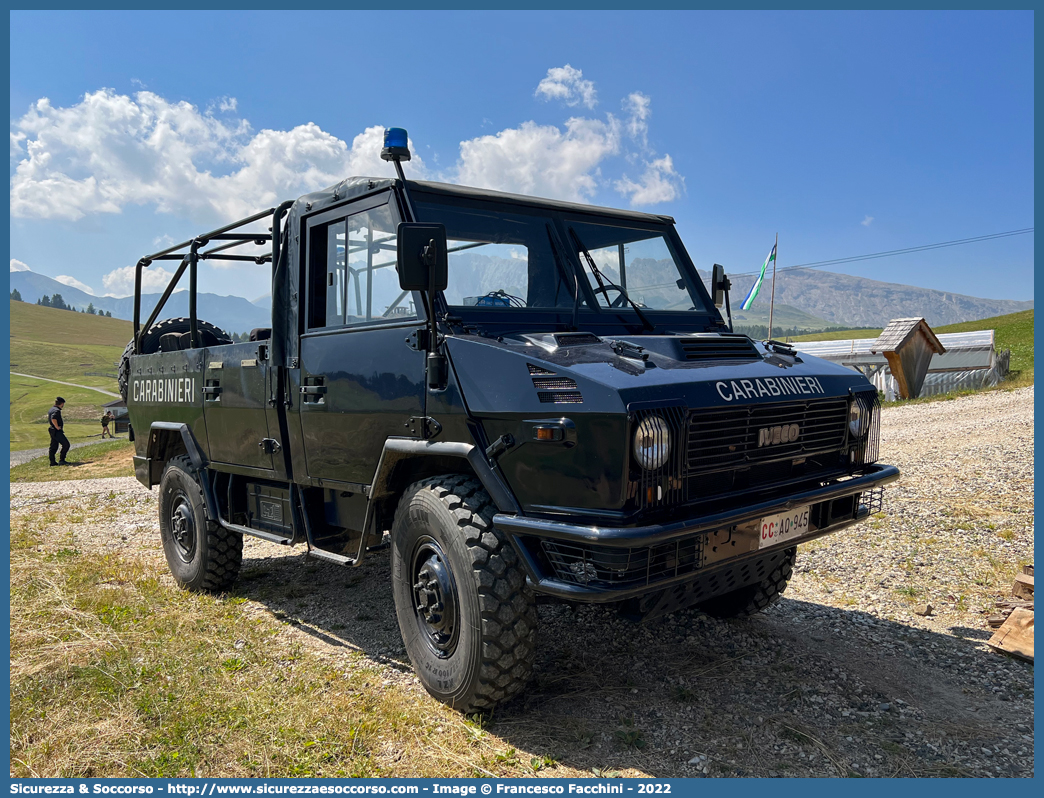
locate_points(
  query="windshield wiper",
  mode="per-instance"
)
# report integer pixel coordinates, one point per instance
(604, 283)
(553, 238)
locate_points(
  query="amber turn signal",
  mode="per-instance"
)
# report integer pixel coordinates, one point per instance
(547, 433)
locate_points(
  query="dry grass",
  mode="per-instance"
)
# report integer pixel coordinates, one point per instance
(116, 672)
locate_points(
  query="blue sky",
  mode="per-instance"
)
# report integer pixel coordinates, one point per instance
(847, 133)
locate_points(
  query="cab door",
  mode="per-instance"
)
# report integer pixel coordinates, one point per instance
(360, 381)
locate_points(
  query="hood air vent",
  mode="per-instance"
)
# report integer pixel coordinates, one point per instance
(720, 347)
(576, 339)
(557, 390)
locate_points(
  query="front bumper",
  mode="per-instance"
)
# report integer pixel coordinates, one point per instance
(606, 564)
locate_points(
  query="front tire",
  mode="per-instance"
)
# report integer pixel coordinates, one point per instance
(202, 555)
(466, 615)
(752, 599)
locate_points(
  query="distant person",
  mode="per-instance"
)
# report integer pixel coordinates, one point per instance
(56, 426)
(105, 423)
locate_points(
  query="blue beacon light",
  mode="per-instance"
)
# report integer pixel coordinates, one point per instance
(396, 145)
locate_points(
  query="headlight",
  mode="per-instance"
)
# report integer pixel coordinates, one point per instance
(652, 443)
(857, 419)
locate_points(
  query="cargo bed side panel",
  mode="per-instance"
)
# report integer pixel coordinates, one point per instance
(167, 386)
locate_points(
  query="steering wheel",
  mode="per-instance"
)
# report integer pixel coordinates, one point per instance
(605, 289)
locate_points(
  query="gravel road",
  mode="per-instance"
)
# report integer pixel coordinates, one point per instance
(841, 677)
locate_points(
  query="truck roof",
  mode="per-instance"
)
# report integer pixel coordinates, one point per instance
(353, 187)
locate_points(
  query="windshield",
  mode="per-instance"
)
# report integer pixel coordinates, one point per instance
(511, 258)
(631, 264)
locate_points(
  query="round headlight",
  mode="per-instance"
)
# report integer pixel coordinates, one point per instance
(652, 443)
(857, 420)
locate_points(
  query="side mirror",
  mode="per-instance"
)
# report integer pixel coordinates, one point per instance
(719, 284)
(422, 258)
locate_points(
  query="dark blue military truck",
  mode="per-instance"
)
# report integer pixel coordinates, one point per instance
(536, 398)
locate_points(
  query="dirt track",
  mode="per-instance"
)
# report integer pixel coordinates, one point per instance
(840, 678)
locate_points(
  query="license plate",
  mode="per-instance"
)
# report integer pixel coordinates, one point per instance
(780, 528)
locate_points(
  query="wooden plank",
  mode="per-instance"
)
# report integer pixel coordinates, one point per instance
(1015, 635)
(1023, 587)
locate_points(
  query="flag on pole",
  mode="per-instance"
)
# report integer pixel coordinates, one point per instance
(752, 294)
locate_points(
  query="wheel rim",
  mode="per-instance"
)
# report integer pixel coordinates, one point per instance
(183, 529)
(435, 605)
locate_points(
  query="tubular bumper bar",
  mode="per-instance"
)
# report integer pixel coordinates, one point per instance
(655, 535)
(629, 537)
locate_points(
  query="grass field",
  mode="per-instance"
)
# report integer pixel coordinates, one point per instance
(115, 672)
(1013, 331)
(61, 345)
(108, 459)
(35, 323)
(30, 401)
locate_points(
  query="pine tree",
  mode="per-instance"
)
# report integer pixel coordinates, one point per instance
(45, 301)
(108, 314)
(90, 308)
(58, 302)
(15, 296)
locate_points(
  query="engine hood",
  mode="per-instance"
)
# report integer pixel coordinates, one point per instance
(582, 373)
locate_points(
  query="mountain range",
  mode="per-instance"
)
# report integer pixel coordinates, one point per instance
(806, 298)
(234, 314)
(847, 301)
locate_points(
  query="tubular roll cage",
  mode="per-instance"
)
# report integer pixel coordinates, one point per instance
(190, 260)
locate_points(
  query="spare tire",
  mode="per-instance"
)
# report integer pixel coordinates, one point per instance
(209, 335)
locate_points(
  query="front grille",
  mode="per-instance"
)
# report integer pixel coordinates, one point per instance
(720, 347)
(603, 566)
(730, 437)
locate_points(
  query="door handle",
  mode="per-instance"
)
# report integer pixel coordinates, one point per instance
(312, 392)
(212, 393)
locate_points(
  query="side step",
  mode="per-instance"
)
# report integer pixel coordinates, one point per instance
(329, 556)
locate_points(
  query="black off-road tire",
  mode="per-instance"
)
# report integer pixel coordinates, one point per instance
(123, 375)
(150, 343)
(752, 599)
(202, 555)
(473, 641)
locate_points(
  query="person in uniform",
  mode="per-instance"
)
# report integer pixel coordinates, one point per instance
(105, 423)
(56, 427)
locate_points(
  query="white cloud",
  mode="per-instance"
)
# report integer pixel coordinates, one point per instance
(228, 104)
(866, 222)
(120, 282)
(638, 108)
(111, 150)
(541, 159)
(18, 266)
(72, 282)
(568, 85)
(659, 183)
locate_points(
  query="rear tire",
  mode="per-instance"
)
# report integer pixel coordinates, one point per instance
(202, 555)
(150, 343)
(466, 615)
(752, 599)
